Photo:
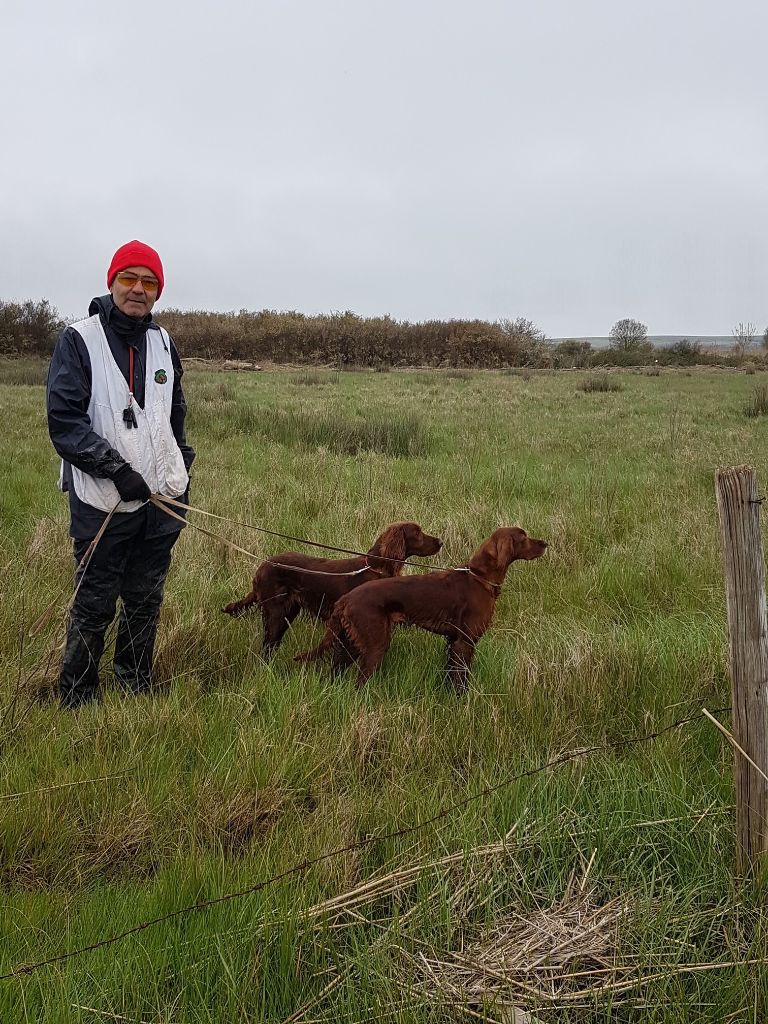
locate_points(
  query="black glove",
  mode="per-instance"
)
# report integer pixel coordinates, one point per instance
(131, 486)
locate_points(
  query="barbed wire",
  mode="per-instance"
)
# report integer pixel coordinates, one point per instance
(303, 866)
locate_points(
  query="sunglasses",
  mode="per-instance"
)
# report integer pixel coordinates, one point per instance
(149, 284)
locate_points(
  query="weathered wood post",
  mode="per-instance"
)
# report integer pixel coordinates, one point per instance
(739, 509)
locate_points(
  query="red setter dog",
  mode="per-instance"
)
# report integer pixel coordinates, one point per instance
(281, 589)
(458, 604)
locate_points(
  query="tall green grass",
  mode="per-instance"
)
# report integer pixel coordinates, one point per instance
(236, 769)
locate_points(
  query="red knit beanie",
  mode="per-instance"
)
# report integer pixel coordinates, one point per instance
(136, 254)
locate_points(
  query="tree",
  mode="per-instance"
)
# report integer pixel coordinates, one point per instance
(765, 339)
(743, 339)
(572, 353)
(685, 351)
(628, 335)
(28, 327)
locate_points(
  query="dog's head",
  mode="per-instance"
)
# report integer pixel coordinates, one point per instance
(504, 546)
(399, 541)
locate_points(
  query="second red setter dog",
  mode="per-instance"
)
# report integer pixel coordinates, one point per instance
(290, 582)
(458, 604)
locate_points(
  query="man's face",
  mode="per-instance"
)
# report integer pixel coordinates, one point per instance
(134, 291)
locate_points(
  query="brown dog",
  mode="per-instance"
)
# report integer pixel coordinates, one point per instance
(458, 604)
(290, 582)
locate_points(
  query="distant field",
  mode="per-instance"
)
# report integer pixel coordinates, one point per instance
(237, 770)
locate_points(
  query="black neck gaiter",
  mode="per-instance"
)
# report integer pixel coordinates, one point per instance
(128, 328)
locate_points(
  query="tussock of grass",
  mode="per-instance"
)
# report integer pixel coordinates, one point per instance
(368, 740)
(758, 402)
(234, 820)
(311, 378)
(601, 382)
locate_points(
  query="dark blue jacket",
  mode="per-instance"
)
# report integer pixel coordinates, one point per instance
(69, 426)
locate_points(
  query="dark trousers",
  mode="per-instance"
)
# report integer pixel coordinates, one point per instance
(129, 565)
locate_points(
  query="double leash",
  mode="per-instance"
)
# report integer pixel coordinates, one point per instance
(159, 501)
(162, 502)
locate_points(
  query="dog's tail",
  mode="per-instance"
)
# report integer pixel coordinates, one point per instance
(237, 608)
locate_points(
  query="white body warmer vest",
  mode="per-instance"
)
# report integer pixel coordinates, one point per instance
(150, 448)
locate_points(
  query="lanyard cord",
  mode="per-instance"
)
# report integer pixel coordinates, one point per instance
(129, 416)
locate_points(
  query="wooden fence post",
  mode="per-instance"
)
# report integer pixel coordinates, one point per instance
(739, 509)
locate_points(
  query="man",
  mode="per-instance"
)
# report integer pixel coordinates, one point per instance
(116, 415)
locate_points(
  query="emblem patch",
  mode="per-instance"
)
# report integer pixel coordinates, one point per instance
(161, 377)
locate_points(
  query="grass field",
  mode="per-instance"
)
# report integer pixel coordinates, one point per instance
(237, 770)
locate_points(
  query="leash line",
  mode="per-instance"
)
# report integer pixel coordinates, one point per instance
(250, 554)
(40, 623)
(161, 498)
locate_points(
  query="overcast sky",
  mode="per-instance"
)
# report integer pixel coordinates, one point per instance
(569, 161)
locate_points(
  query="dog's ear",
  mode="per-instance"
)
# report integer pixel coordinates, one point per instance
(389, 551)
(486, 558)
(511, 545)
(394, 544)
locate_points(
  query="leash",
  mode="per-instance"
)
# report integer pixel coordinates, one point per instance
(157, 498)
(162, 502)
(39, 624)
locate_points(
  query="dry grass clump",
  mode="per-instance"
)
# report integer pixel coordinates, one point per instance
(49, 538)
(368, 740)
(572, 954)
(242, 817)
(600, 382)
(120, 845)
(758, 403)
(562, 954)
(311, 378)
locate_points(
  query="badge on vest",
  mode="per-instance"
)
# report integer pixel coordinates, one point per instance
(161, 377)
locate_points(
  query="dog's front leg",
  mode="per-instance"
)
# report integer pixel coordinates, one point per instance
(460, 654)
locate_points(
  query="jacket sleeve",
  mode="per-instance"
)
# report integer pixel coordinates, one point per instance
(179, 410)
(68, 394)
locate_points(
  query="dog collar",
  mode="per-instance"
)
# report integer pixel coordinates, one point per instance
(485, 582)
